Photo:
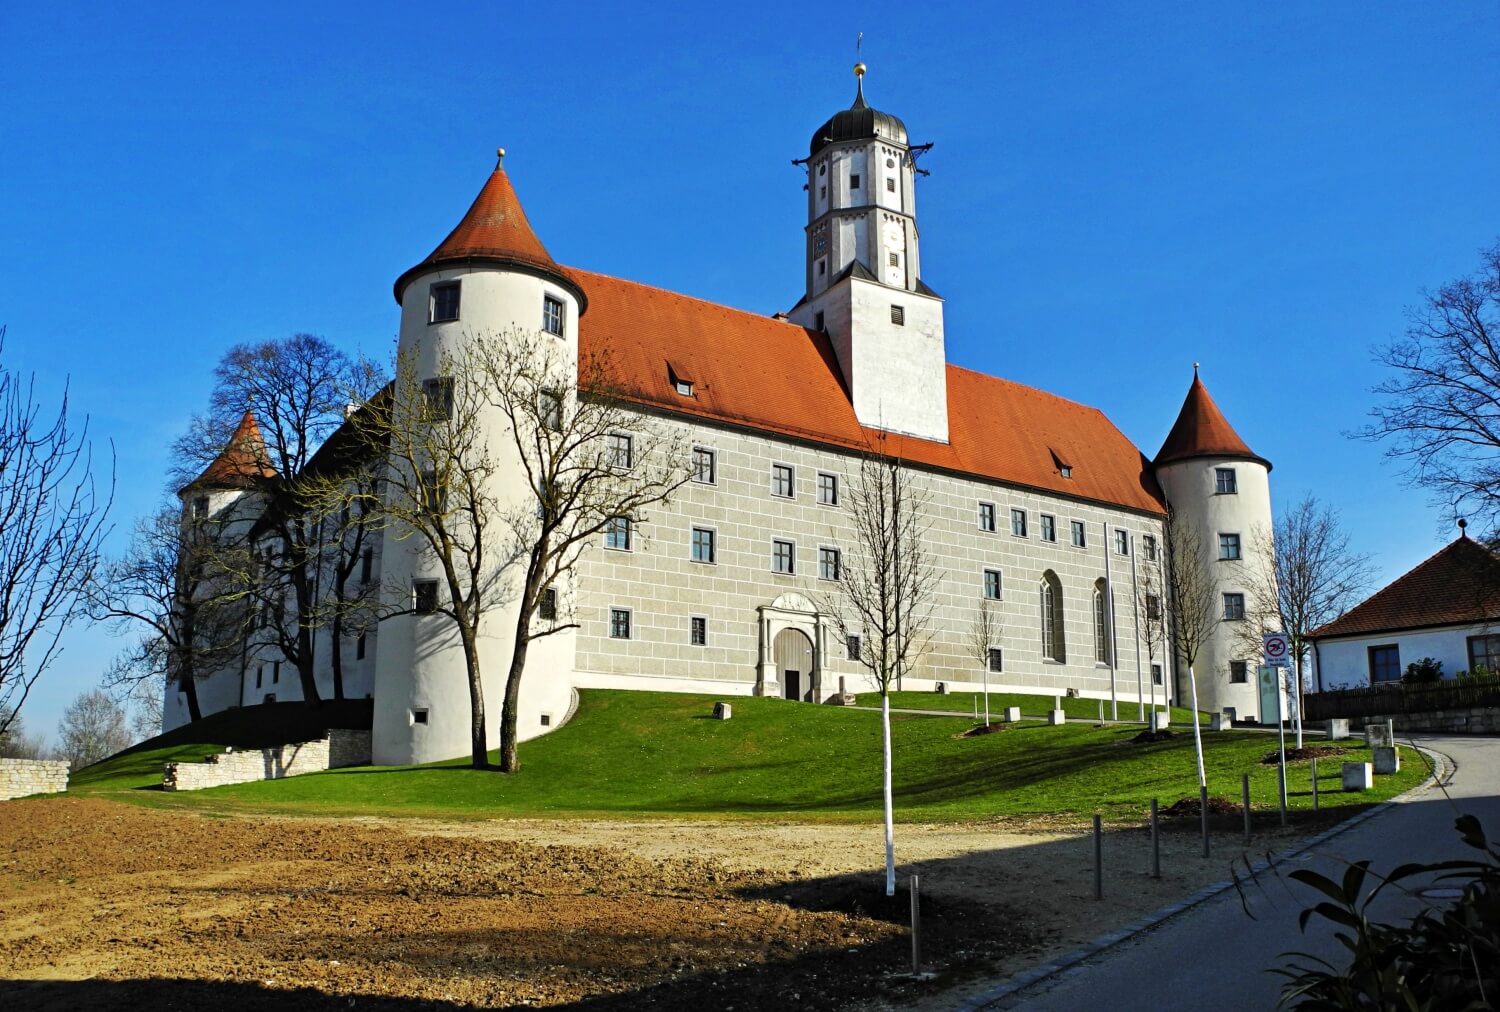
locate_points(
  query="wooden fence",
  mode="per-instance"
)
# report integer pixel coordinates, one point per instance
(1398, 697)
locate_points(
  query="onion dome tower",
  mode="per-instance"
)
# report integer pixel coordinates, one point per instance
(1219, 492)
(492, 279)
(864, 285)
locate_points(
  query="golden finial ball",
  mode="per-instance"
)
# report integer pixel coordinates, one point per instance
(859, 70)
(499, 152)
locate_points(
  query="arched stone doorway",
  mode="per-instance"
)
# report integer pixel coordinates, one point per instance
(794, 664)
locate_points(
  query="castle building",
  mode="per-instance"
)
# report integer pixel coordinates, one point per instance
(1039, 507)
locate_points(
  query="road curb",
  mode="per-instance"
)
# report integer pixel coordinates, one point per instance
(1012, 986)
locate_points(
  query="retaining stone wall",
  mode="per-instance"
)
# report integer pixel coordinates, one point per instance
(20, 777)
(340, 748)
(1472, 720)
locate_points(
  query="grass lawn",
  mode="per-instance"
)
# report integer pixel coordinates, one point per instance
(638, 753)
(1031, 705)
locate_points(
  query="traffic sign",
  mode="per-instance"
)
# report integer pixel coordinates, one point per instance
(1278, 650)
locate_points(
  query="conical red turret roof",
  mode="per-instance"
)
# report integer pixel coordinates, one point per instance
(243, 463)
(494, 231)
(1201, 430)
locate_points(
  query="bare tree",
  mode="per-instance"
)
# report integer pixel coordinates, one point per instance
(1313, 577)
(144, 703)
(1152, 609)
(885, 595)
(984, 636)
(1441, 412)
(92, 728)
(348, 601)
(1196, 608)
(52, 522)
(182, 585)
(591, 462)
(15, 743)
(298, 390)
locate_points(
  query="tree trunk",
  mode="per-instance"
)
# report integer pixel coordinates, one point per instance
(189, 686)
(890, 829)
(479, 752)
(337, 657)
(306, 671)
(510, 760)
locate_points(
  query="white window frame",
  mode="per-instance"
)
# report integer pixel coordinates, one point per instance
(1240, 599)
(629, 622)
(984, 583)
(1219, 482)
(454, 285)
(834, 480)
(561, 316)
(1122, 542)
(713, 545)
(987, 517)
(791, 480)
(1078, 534)
(1016, 514)
(1042, 519)
(713, 466)
(415, 596)
(838, 562)
(609, 532)
(791, 569)
(612, 445)
(693, 621)
(1236, 544)
(995, 660)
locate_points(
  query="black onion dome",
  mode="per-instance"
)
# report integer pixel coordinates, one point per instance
(856, 123)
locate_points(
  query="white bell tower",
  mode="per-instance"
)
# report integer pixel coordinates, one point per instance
(863, 271)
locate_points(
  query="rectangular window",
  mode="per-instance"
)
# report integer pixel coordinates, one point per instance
(1239, 672)
(547, 607)
(782, 480)
(1229, 546)
(619, 623)
(419, 716)
(437, 393)
(550, 407)
(698, 631)
(1234, 607)
(359, 648)
(424, 595)
(442, 302)
(1156, 674)
(703, 545)
(200, 507)
(617, 534)
(1080, 537)
(992, 584)
(705, 469)
(1049, 527)
(1385, 661)
(890, 187)
(275, 672)
(259, 674)
(1018, 523)
(987, 516)
(996, 659)
(366, 565)
(828, 489)
(1224, 481)
(553, 316)
(620, 450)
(1484, 652)
(684, 388)
(853, 644)
(818, 316)
(1153, 608)
(898, 315)
(1150, 543)
(783, 557)
(854, 181)
(433, 497)
(829, 563)
(895, 260)
(1122, 542)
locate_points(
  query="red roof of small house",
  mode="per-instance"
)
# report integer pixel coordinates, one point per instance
(765, 374)
(494, 230)
(1458, 585)
(243, 463)
(1201, 430)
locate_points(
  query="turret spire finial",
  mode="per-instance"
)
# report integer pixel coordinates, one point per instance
(1462, 523)
(499, 157)
(859, 68)
(1195, 370)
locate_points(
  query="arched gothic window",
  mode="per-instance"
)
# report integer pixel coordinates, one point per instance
(1053, 646)
(1101, 623)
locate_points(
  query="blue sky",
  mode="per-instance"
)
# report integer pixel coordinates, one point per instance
(1117, 191)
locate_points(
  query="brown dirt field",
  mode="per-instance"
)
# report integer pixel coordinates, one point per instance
(109, 905)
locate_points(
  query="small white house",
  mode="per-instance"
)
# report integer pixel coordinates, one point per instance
(1447, 608)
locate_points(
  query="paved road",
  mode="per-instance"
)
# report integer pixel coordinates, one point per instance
(1215, 957)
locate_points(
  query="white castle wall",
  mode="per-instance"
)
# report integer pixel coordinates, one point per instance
(341, 748)
(20, 778)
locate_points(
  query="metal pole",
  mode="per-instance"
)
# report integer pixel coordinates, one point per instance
(1098, 857)
(1203, 813)
(1155, 844)
(1281, 732)
(1297, 676)
(1315, 783)
(1245, 794)
(916, 927)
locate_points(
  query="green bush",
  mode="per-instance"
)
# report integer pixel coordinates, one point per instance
(1423, 671)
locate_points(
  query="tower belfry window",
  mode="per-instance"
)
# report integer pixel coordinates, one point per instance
(854, 181)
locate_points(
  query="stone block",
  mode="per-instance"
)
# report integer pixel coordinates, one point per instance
(1338, 728)
(1378, 736)
(1218, 721)
(1057, 717)
(1387, 760)
(1012, 714)
(1159, 719)
(1358, 776)
(722, 711)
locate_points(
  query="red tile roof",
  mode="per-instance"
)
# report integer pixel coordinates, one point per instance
(1458, 585)
(776, 377)
(495, 230)
(1201, 430)
(243, 463)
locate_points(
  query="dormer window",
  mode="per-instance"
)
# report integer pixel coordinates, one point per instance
(684, 388)
(680, 381)
(1066, 471)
